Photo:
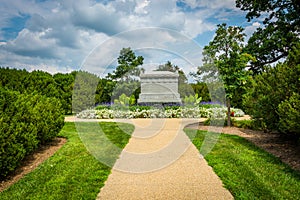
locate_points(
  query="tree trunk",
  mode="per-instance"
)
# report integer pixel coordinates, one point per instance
(228, 112)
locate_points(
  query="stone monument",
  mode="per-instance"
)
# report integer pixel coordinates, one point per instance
(159, 87)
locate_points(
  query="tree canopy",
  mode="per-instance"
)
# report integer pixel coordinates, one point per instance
(279, 34)
(128, 65)
(224, 58)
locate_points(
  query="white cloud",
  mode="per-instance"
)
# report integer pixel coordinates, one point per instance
(173, 20)
(249, 30)
(99, 17)
(141, 7)
(156, 45)
(32, 44)
(61, 33)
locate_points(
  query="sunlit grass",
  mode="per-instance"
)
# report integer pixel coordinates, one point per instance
(247, 171)
(72, 172)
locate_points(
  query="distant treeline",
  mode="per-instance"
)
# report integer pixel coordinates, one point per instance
(94, 90)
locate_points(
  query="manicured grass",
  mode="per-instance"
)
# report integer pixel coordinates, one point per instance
(247, 171)
(72, 173)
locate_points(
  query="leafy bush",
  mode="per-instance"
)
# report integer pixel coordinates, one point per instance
(25, 122)
(272, 100)
(289, 112)
(59, 85)
(192, 100)
(248, 124)
(102, 106)
(138, 108)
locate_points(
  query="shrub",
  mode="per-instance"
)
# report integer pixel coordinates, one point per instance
(289, 112)
(192, 100)
(25, 122)
(248, 124)
(138, 108)
(102, 106)
(272, 101)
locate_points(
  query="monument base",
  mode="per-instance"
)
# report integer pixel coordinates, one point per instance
(159, 98)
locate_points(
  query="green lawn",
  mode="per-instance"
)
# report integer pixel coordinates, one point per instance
(248, 171)
(72, 172)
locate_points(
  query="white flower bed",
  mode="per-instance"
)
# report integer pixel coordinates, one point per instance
(160, 113)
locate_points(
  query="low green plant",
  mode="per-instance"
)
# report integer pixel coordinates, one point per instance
(102, 107)
(122, 101)
(253, 124)
(247, 171)
(209, 105)
(132, 100)
(192, 100)
(248, 124)
(139, 107)
(172, 107)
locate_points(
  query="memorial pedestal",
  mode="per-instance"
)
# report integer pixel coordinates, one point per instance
(159, 87)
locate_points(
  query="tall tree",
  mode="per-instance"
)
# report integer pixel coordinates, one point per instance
(128, 65)
(279, 34)
(224, 58)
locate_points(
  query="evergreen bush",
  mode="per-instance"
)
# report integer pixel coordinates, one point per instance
(273, 100)
(25, 122)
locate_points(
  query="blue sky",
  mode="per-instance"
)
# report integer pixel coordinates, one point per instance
(65, 35)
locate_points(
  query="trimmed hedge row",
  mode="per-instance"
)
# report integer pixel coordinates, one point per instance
(25, 122)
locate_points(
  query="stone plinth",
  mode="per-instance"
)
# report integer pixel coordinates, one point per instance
(159, 87)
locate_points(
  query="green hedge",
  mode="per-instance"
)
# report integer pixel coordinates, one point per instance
(25, 122)
(274, 99)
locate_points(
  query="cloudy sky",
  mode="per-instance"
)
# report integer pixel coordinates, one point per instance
(65, 35)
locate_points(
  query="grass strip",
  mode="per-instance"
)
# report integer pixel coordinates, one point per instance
(247, 171)
(72, 172)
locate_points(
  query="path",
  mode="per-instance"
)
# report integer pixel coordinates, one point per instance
(160, 162)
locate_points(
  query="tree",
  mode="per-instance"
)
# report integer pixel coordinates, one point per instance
(224, 58)
(128, 65)
(279, 34)
(84, 93)
(201, 89)
(104, 91)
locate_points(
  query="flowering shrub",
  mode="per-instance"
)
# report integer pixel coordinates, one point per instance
(180, 112)
(237, 112)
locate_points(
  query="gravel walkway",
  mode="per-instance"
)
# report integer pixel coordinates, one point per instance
(160, 162)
